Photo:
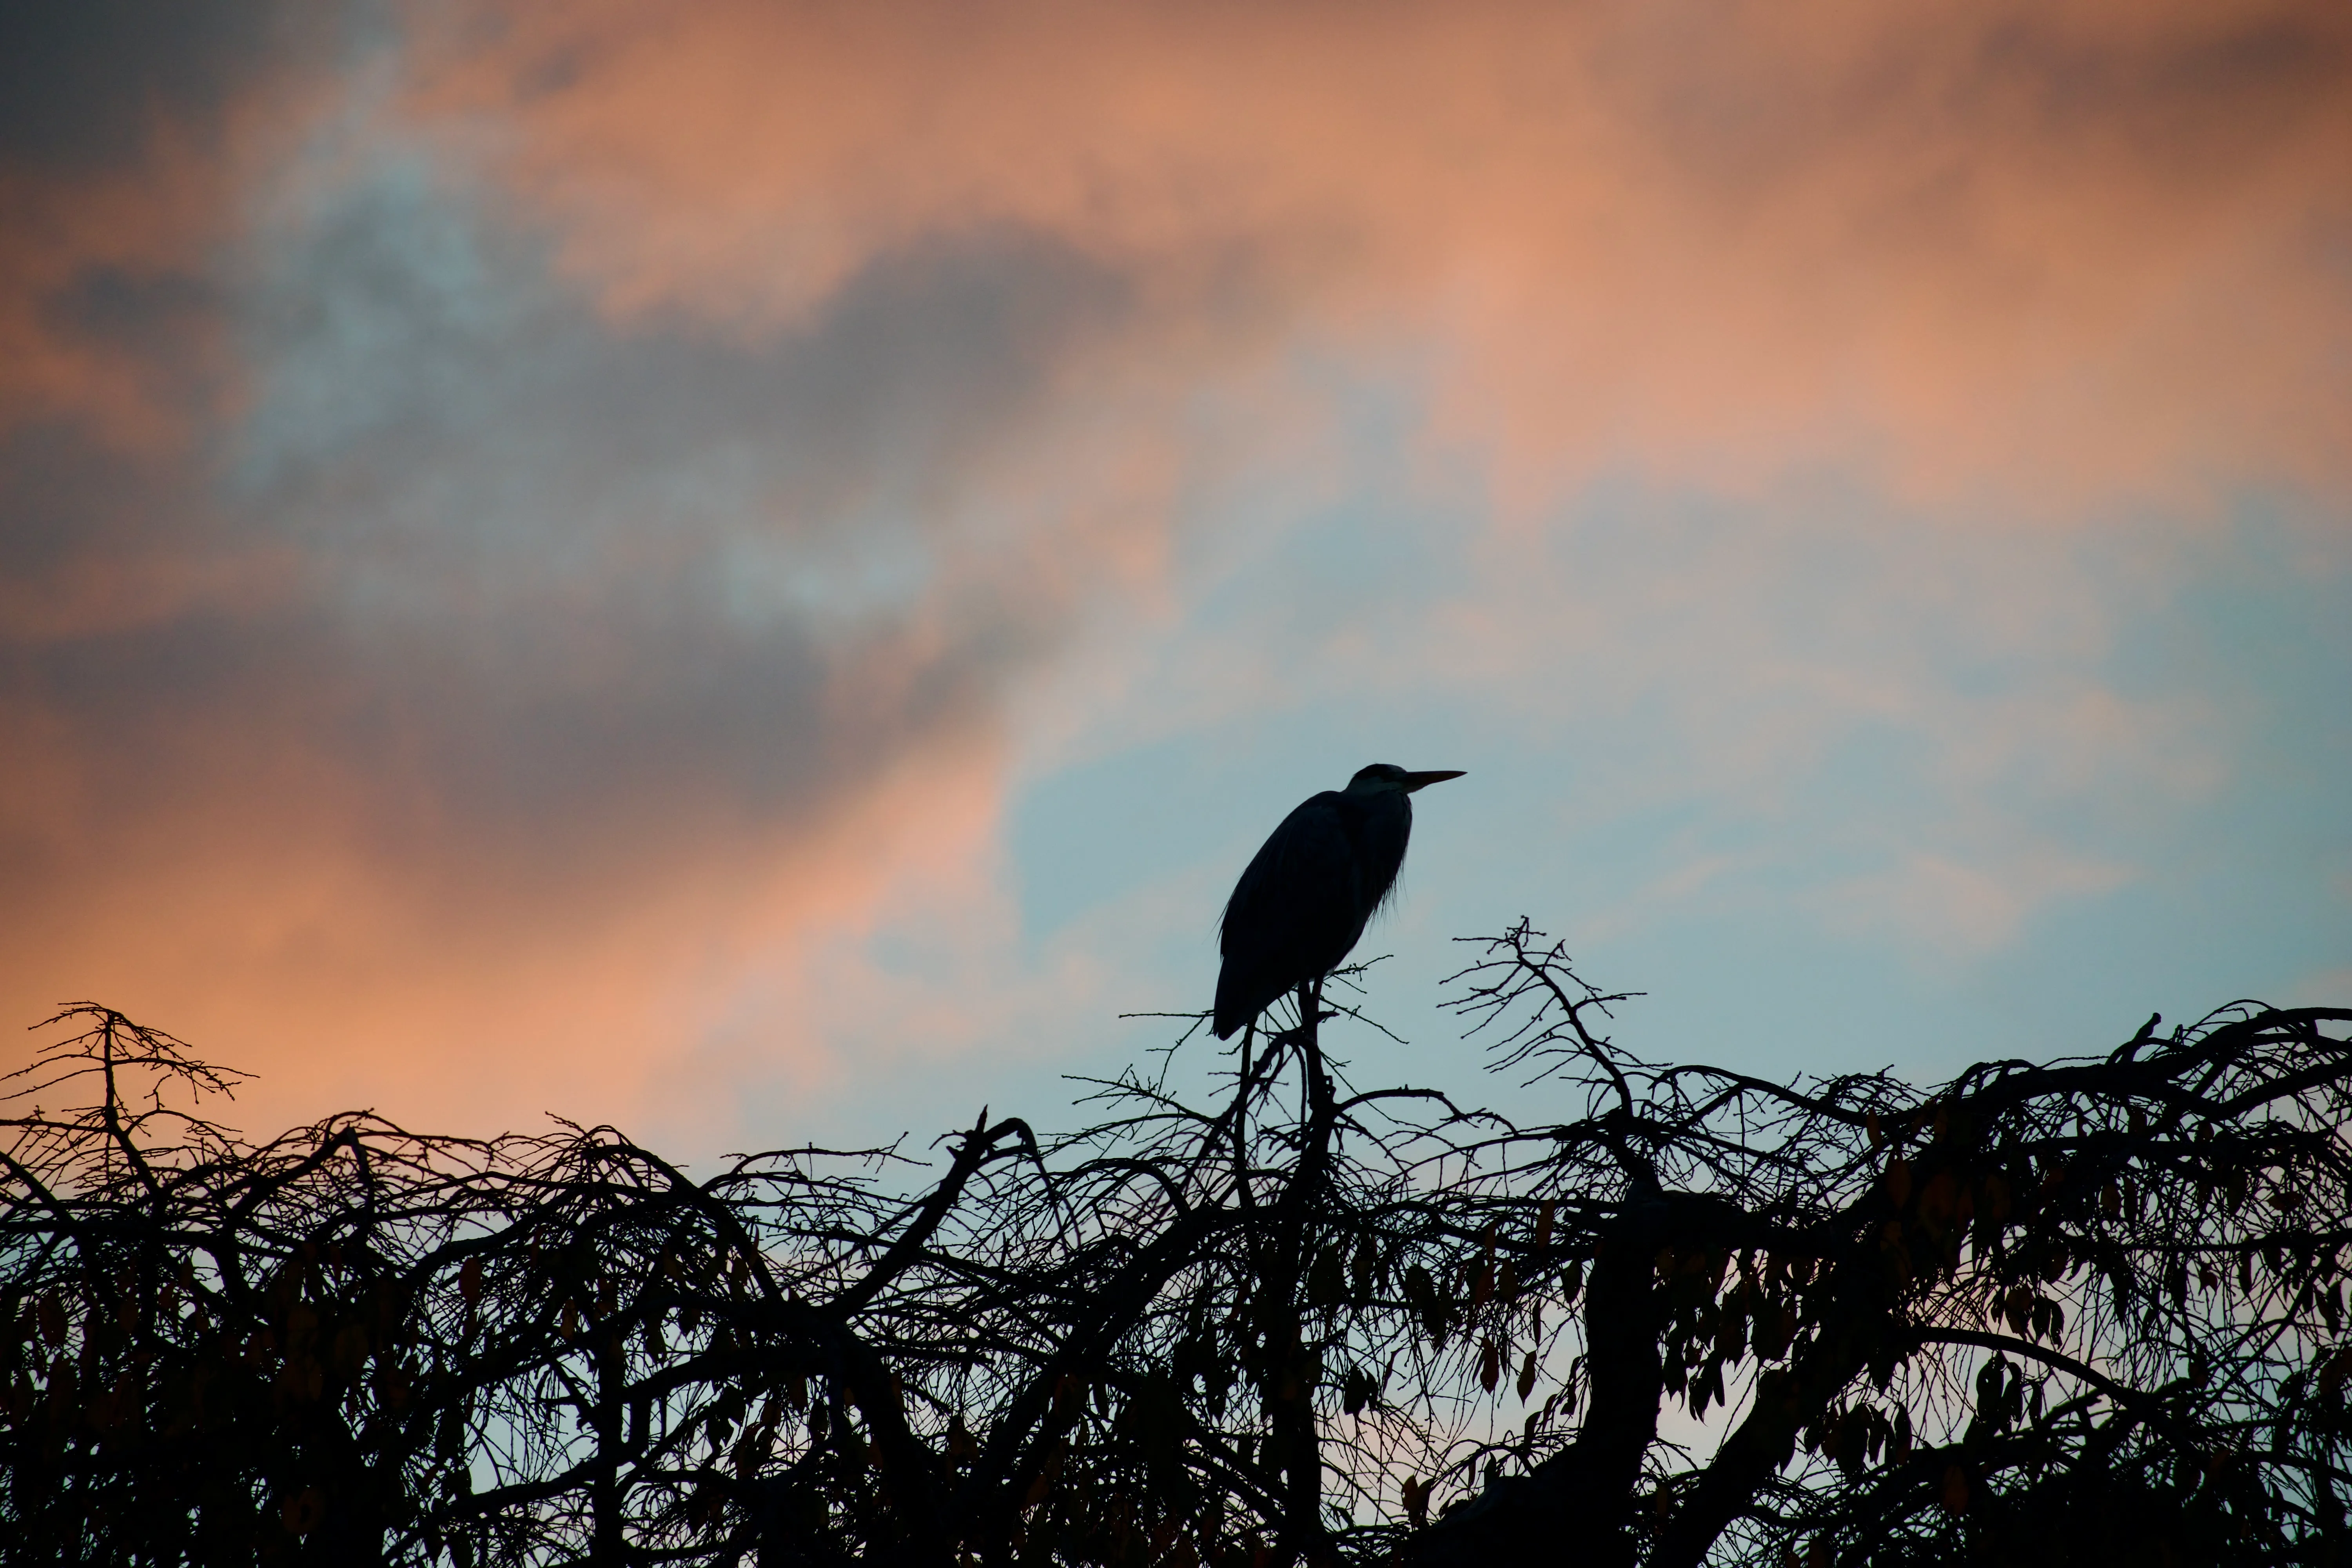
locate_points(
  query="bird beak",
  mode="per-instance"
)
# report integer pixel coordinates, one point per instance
(1418, 781)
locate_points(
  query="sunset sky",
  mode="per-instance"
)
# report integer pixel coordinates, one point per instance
(756, 570)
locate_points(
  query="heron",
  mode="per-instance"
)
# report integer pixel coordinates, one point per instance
(1303, 902)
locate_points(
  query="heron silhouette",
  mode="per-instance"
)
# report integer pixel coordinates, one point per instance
(1302, 903)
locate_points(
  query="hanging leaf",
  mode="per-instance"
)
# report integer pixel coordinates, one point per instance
(1326, 1280)
(304, 1512)
(1417, 1288)
(1899, 1182)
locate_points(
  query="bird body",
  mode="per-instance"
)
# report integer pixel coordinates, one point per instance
(1303, 902)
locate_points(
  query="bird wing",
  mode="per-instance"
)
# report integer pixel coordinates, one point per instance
(1296, 911)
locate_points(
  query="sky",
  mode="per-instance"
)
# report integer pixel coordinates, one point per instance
(753, 572)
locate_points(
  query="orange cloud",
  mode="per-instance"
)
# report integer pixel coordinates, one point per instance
(60, 231)
(269, 930)
(2051, 256)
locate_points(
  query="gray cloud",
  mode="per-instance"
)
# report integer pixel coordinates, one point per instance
(83, 83)
(553, 599)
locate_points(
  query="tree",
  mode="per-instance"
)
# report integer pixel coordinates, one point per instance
(2073, 1311)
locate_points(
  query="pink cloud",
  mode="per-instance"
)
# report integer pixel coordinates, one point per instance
(265, 928)
(2076, 254)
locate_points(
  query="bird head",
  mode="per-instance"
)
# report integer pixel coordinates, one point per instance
(1381, 778)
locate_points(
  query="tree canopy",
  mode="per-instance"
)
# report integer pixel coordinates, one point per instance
(2048, 1312)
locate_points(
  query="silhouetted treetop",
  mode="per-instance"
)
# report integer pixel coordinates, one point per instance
(2059, 1311)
